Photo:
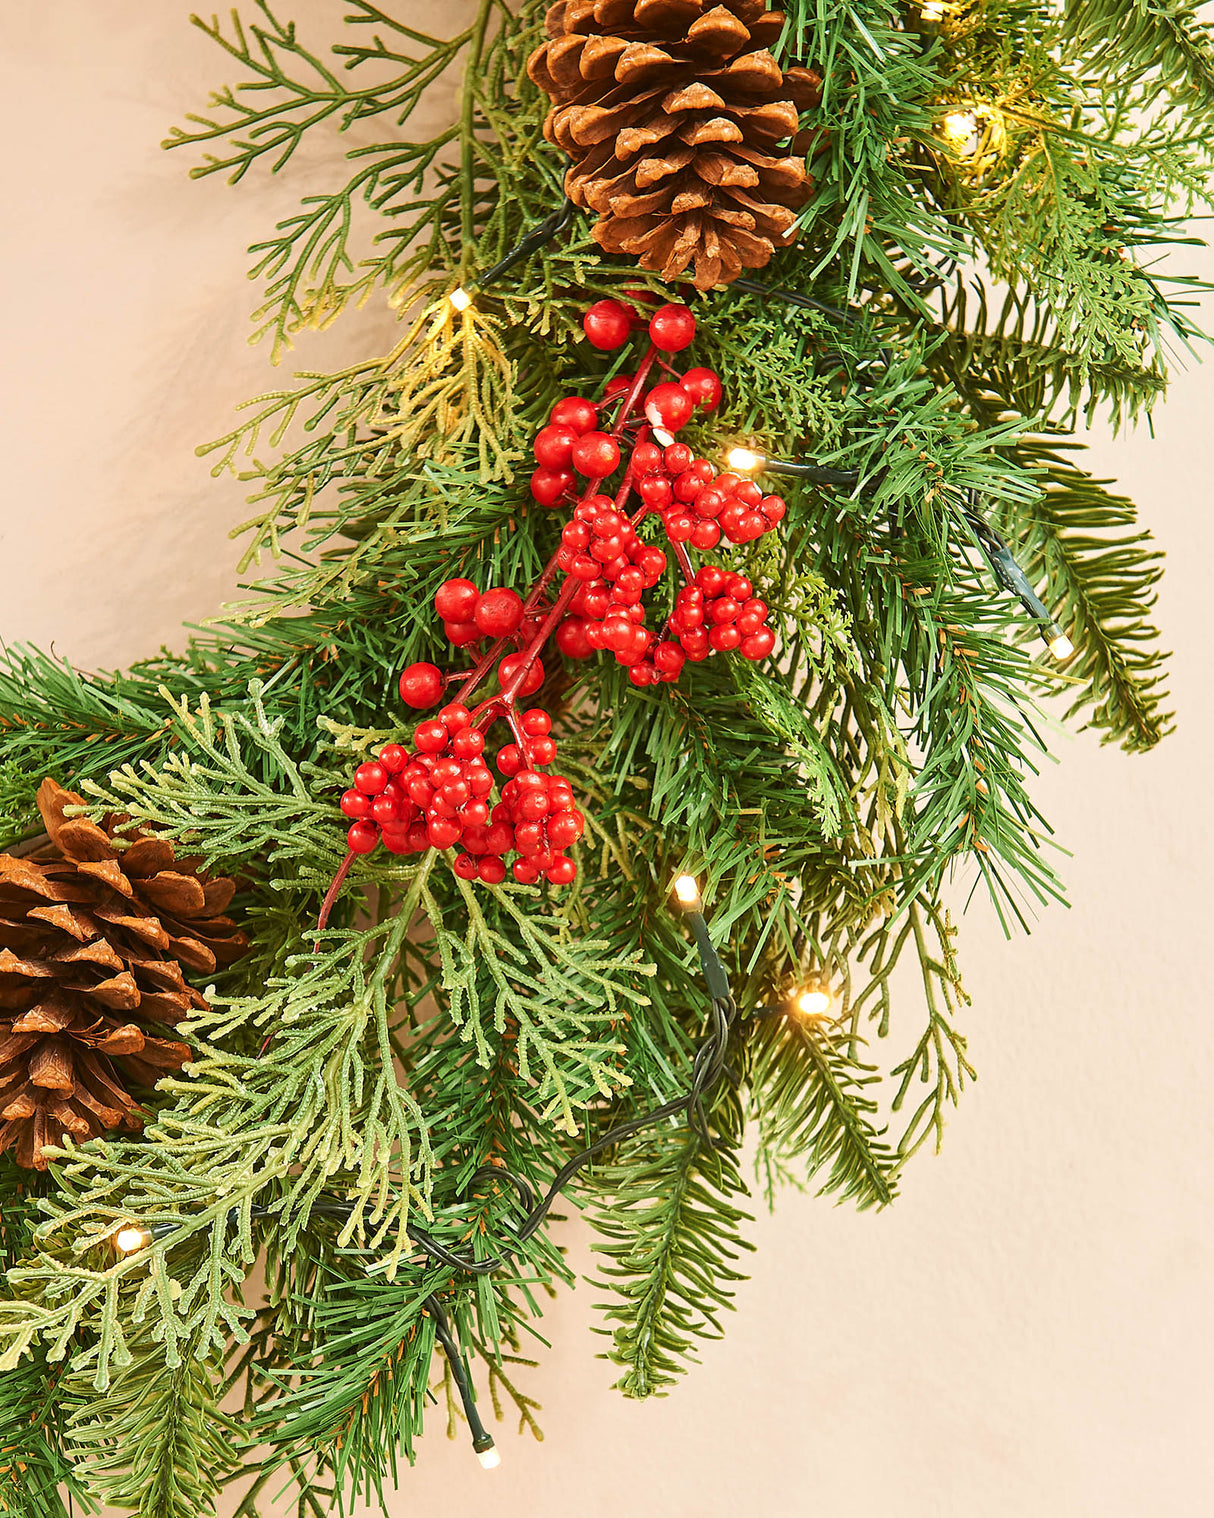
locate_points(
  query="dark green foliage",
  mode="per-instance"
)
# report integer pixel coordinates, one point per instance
(825, 800)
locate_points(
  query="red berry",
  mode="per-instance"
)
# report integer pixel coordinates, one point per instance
(562, 872)
(679, 526)
(571, 639)
(509, 667)
(596, 455)
(724, 637)
(443, 832)
(383, 809)
(548, 486)
(618, 384)
(677, 457)
(465, 866)
(475, 815)
(773, 508)
(536, 721)
(572, 411)
(491, 870)
(748, 492)
(607, 324)
(421, 685)
(688, 486)
(467, 743)
(454, 717)
(705, 534)
(656, 491)
(419, 838)
(753, 525)
(461, 633)
(553, 447)
(355, 805)
(758, 645)
(361, 837)
(669, 406)
(646, 458)
(499, 838)
(499, 612)
(575, 535)
(509, 760)
(565, 828)
(543, 750)
(525, 872)
(455, 600)
(695, 644)
(669, 658)
(393, 758)
(583, 567)
(371, 778)
(430, 737)
(672, 328)
(704, 387)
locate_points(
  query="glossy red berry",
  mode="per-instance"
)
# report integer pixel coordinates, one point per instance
(553, 446)
(672, 328)
(669, 406)
(393, 758)
(355, 805)
(443, 832)
(656, 491)
(596, 455)
(704, 387)
(509, 760)
(492, 870)
(646, 458)
(669, 658)
(575, 412)
(758, 645)
(421, 685)
(536, 721)
(371, 778)
(499, 612)
(563, 871)
(430, 737)
(455, 716)
(543, 750)
(465, 866)
(361, 837)
(565, 828)
(677, 457)
(468, 743)
(455, 600)
(607, 324)
(509, 667)
(571, 638)
(548, 486)
(460, 634)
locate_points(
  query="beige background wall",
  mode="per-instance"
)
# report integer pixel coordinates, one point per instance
(1029, 1331)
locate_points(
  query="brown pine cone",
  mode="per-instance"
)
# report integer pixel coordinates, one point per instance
(92, 943)
(672, 111)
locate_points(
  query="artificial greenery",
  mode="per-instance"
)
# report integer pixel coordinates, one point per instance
(974, 306)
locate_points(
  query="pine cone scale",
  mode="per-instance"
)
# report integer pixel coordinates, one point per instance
(93, 935)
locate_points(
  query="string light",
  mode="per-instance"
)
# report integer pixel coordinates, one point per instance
(129, 1239)
(1061, 646)
(812, 1001)
(963, 131)
(932, 10)
(687, 893)
(744, 459)
(460, 298)
(489, 1458)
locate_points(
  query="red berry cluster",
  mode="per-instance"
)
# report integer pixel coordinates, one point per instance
(469, 614)
(697, 504)
(437, 797)
(720, 611)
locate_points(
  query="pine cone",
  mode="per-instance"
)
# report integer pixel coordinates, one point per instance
(672, 111)
(92, 943)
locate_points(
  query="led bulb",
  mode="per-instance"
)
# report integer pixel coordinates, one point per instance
(812, 1002)
(743, 458)
(489, 1458)
(1061, 646)
(460, 298)
(129, 1239)
(687, 892)
(932, 10)
(960, 125)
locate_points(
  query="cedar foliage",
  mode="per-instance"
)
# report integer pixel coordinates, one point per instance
(824, 800)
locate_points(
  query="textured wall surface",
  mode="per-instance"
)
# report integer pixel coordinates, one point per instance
(1028, 1331)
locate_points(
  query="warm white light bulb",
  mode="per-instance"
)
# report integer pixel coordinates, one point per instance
(813, 1002)
(460, 298)
(743, 458)
(1061, 646)
(932, 10)
(686, 889)
(489, 1458)
(128, 1240)
(960, 125)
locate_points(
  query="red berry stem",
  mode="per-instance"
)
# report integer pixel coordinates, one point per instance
(683, 558)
